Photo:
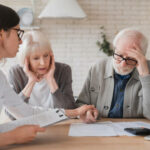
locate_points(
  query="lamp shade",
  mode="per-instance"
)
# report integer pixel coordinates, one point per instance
(62, 9)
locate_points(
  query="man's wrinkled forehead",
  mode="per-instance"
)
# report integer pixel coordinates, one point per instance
(126, 43)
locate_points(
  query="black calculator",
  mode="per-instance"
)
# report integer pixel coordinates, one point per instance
(138, 131)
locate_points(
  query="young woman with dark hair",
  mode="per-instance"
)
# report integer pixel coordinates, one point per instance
(10, 39)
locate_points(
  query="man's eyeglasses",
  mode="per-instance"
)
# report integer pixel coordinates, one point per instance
(128, 61)
(19, 33)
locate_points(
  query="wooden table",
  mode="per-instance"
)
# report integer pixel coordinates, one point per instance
(56, 138)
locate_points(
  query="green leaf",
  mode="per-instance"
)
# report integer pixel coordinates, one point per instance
(105, 45)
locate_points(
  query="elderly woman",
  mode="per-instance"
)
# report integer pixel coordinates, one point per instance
(41, 81)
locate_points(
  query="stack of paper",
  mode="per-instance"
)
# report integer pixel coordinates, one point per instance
(42, 119)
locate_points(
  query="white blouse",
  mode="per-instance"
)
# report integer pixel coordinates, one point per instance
(41, 95)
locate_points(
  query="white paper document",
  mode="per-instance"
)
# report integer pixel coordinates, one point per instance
(104, 128)
(96, 129)
(43, 119)
(23, 110)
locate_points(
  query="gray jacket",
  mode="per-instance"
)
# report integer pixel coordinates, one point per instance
(62, 98)
(99, 86)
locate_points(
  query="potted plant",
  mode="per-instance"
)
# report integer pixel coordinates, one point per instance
(104, 45)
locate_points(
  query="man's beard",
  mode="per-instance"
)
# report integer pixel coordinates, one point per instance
(122, 71)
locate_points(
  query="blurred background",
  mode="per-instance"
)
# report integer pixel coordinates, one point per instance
(73, 40)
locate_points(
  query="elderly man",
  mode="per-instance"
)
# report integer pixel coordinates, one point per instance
(119, 87)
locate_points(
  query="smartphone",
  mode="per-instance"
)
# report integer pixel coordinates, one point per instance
(138, 131)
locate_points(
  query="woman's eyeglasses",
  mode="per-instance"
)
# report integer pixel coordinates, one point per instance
(128, 61)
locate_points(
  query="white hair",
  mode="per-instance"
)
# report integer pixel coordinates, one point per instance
(32, 41)
(132, 33)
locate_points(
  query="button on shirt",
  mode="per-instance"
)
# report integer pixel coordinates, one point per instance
(116, 110)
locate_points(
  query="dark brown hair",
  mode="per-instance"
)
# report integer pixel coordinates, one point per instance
(8, 18)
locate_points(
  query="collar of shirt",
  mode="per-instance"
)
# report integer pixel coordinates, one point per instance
(121, 77)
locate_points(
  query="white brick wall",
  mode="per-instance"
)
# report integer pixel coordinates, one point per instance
(74, 40)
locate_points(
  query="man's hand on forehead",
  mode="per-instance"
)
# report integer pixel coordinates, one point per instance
(137, 47)
(137, 54)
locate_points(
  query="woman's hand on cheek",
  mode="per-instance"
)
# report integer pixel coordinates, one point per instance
(31, 75)
(50, 74)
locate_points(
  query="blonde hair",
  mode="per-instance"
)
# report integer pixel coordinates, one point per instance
(32, 41)
(132, 33)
